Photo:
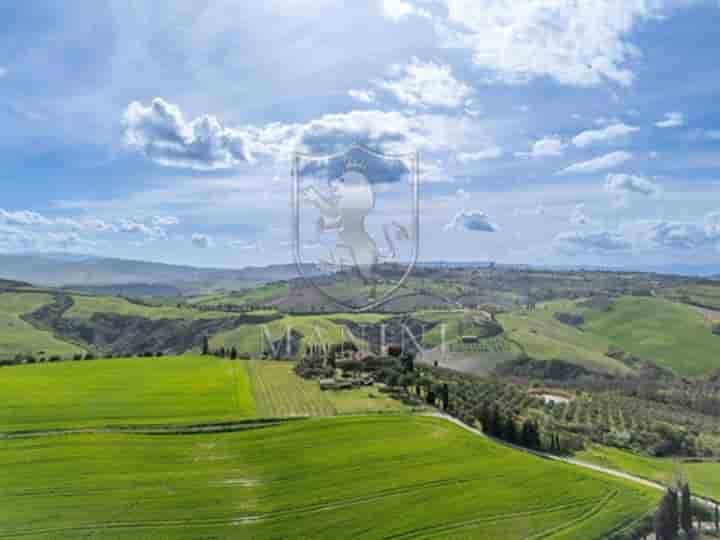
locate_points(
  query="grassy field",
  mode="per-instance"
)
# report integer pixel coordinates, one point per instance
(278, 392)
(367, 478)
(20, 337)
(318, 329)
(543, 337)
(671, 334)
(85, 307)
(703, 294)
(704, 478)
(168, 390)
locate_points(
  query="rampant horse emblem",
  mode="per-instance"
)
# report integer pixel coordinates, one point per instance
(353, 232)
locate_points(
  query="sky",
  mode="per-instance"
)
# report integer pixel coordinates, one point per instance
(549, 131)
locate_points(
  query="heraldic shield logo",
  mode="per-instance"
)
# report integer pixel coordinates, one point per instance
(356, 219)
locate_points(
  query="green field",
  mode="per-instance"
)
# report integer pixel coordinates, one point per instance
(704, 478)
(316, 329)
(20, 337)
(375, 477)
(543, 337)
(167, 390)
(84, 307)
(278, 392)
(186, 389)
(671, 334)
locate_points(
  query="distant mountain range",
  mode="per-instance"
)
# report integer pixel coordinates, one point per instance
(121, 276)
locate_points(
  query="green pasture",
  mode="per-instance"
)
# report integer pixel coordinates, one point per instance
(703, 477)
(20, 337)
(392, 476)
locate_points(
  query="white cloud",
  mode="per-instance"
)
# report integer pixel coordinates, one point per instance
(547, 146)
(611, 132)
(672, 120)
(70, 240)
(575, 43)
(165, 221)
(590, 242)
(244, 244)
(607, 161)
(136, 227)
(427, 84)
(644, 235)
(471, 220)
(3, 72)
(462, 194)
(23, 217)
(202, 241)
(161, 133)
(621, 183)
(398, 9)
(491, 152)
(538, 210)
(579, 217)
(364, 96)
(86, 224)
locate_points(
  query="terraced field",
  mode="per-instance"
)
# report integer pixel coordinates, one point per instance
(395, 477)
(20, 337)
(704, 478)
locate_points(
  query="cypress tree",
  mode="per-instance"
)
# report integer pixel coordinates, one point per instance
(686, 509)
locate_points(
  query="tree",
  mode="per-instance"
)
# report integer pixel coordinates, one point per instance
(445, 394)
(233, 353)
(666, 517)
(509, 431)
(205, 346)
(686, 509)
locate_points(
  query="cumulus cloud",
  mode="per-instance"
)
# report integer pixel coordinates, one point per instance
(70, 240)
(592, 136)
(202, 241)
(672, 120)
(364, 96)
(425, 84)
(547, 146)
(607, 161)
(471, 220)
(491, 152)
(244, 244)
(161, 133)
(575, 43)
(621, 183)
(23, 217)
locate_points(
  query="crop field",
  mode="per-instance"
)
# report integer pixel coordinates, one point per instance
(316, 329)
(278, 392)
(186, 389)
(167, 390)
(671, 334)
(20, 337)
(704, 478)
(393, 476)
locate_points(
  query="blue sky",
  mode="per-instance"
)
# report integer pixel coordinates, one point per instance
(548, 132)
